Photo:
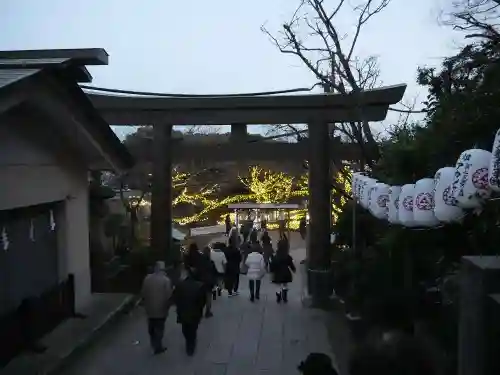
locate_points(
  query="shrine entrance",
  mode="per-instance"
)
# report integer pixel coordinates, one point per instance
(318, 111)
(264, 215)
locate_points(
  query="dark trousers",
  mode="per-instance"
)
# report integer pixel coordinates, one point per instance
(156, 328)
(254, 286)
(189, 331)
(232, 282)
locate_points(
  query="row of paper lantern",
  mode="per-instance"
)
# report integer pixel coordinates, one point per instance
(443, 198)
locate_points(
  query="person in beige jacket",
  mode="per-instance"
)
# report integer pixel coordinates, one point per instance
(156, 293)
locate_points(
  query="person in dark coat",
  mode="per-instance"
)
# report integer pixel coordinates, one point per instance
(189, 297)
(263, 223)
(254, 236)
(303, 228)
(232, 273)
(245, 231)
(282, 267)
(317, 364)
(209, 276)
(267, 247)
(202, 269)
(228, 224)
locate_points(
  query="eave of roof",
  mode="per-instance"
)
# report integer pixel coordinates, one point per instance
(9, 78)
(102, 128)
(81, 56)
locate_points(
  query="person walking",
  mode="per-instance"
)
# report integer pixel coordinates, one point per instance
(282, 267)
(256, 270)
(263, 223)
(254, 236)
(201, 269)
(233, 261)
(189, 297)
(228, 224)
(303, 228)
(267, 248)
(245, 231)
(219, 259)
(208, 276)
(156, 293)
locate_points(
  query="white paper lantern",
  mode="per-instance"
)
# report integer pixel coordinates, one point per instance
(361, 189)
(371, 197)
(423, 203)
(362, 179)
(355, 180)
(393, 204)
(470, 184)
(494, 169)
(368, 183)
(445, 205)
(405, 212)
(379, 201)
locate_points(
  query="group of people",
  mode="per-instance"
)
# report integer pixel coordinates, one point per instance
(206, 274)
(259, 258)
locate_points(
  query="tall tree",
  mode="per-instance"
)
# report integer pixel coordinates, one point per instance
(330, 54)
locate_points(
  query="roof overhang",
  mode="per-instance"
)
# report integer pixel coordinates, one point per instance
(370, 105)
(81, 56)
(69, 101)
(62, 102)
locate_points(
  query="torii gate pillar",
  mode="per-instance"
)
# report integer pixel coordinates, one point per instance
(161, 195)
(318, 247)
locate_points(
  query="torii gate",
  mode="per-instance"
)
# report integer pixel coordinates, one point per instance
(316, 110)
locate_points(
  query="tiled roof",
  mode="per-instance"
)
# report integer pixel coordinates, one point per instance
(13, 70)
(9, 76)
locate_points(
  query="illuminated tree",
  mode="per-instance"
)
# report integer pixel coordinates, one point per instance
(268, 186)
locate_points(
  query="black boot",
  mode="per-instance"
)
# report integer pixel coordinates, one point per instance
(284, 293)
(278, 297)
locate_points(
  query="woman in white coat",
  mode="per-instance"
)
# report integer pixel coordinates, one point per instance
(256, 270)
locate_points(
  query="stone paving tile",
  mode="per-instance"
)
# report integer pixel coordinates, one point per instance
(243, 338)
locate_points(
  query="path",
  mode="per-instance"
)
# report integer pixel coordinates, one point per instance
(242, 338)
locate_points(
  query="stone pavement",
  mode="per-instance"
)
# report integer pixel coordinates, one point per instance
(242, 338)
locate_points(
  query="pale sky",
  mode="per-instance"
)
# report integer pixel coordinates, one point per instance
(200, 46)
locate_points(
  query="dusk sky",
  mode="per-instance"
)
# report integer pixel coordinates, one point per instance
(199, 46)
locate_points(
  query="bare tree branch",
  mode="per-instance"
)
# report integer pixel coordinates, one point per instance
(330, 54)
(480, 19)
